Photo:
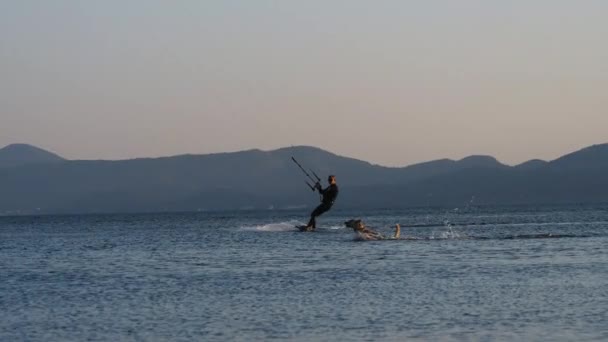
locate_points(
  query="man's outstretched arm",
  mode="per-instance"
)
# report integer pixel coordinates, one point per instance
(320, 189)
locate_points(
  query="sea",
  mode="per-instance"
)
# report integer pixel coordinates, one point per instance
(457, 274)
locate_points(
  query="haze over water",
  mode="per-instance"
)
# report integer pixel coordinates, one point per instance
(394, 83)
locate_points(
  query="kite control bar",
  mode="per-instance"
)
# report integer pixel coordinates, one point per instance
(308, 175)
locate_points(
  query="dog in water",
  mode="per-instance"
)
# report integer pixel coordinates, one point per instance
(365, 233)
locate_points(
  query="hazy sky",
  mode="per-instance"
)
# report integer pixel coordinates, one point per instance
(391, 82)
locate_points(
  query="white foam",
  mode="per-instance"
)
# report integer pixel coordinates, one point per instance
(450, 234)
(336, 227)
(275, 227)
(286, 226)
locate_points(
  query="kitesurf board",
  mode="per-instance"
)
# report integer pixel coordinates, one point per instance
(304, 229)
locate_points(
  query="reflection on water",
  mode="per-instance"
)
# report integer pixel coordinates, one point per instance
(493, 273)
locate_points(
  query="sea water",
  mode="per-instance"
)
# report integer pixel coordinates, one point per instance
(500, 273)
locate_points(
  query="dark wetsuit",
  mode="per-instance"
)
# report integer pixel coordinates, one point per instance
(329, 196)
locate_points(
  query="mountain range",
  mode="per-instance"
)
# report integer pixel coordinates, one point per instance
(22, 154)
(33, 180)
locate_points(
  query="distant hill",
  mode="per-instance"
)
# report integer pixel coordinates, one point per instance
(22, 154)
(531, 164)
(592, 156)
(256, 179)
(480, 161)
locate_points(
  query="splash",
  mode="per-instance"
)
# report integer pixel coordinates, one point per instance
(450, 233)
(287, 226)
(275, 227)
(336, 227)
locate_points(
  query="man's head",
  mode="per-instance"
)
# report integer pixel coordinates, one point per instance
(356, 225)
(331, 179)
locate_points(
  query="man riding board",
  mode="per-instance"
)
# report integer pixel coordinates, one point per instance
(329, 196)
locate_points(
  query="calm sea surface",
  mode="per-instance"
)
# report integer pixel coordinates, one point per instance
(516, 273)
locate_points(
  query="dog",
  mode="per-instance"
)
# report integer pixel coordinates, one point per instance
(364, 233)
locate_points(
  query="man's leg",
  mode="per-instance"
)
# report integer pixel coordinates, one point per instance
(312, 222)
(317, 212)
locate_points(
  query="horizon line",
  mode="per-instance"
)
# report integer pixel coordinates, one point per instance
(254, 149)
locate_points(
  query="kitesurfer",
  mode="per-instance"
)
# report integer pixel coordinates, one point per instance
(327, 201)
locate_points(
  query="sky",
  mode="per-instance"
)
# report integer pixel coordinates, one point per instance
(390, 82)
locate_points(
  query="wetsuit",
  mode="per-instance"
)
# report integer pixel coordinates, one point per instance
(329, 196)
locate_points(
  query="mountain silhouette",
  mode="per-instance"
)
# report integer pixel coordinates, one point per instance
(256, 179)
(532, 164)
(21, 154)
(592, 156)
(480, 161)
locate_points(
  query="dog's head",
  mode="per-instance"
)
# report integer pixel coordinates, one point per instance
(356, 225)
